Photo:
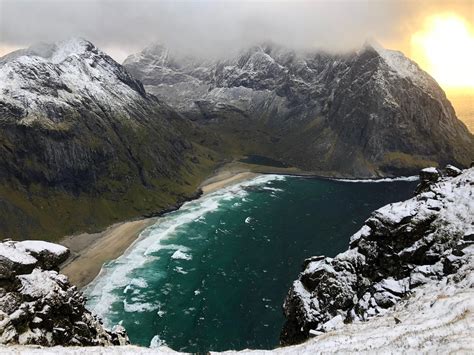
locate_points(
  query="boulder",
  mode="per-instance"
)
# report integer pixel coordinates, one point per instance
(14, 261)
(49, 255)
(452, 171)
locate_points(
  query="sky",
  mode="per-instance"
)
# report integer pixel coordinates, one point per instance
(216, 28)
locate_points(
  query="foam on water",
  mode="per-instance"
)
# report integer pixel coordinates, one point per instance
(116, 275)
(180, 255)
(401, 178)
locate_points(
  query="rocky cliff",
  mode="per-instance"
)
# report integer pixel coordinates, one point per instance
(39, 306)
(401, 247)
(369, 113)
(83, 145)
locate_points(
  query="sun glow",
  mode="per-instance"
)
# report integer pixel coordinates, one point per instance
(445, 49)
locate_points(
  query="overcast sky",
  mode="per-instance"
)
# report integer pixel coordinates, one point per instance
(213, 27)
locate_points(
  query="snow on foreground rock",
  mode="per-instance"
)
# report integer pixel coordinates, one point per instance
(408, 272)
(40, 306)
(402, 246)
(437, 318)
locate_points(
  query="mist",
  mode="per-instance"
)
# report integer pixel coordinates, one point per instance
(214, 28)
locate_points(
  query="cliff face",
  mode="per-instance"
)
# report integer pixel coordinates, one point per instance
(402, 246)
(369, 113)
(39, 306)
(83, 145)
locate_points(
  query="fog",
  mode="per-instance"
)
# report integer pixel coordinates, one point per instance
(216, 28)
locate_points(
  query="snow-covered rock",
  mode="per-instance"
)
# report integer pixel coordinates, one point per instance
(39, 306)
(49, 255)
(438, 317)
(402, 246)
(49, 81)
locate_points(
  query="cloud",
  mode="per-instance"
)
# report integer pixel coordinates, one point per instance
(214, 27)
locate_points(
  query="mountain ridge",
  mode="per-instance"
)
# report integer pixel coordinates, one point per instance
(375, 104)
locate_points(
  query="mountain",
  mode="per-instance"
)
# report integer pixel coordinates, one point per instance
(368, 113)
(82, 144)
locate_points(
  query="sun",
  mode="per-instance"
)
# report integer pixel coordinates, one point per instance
(445, 49)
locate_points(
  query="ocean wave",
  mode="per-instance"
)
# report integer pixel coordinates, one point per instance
(116, 275)
(400, 178)
(274, 189)
(180, 270)
(139, 307)
(180, 255)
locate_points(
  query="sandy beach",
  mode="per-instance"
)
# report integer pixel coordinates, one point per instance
(89, 251)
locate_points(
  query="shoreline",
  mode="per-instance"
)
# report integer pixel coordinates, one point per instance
(89, 251)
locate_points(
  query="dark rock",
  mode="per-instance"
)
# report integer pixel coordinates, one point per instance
(452, 171)
(428, 176)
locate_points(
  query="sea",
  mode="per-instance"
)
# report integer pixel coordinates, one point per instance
(213, 275)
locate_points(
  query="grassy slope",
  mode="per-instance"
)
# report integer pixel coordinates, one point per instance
(41, 213)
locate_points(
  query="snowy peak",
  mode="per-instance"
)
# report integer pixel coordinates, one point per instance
(72, 47)
(402, 66)
(156, 53)
(54, 52)
(49, 80)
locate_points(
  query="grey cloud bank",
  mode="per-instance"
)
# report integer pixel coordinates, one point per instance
(213, 28)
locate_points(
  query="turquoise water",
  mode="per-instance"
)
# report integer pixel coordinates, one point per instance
(213, 275)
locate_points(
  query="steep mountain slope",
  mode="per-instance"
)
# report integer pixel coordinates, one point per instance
(369, 113)
(82, 144)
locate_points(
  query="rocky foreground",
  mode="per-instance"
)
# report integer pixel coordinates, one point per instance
(427, 240)
(39, 306)
(405, 284)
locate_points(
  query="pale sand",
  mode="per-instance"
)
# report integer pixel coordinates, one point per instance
(89, 251)
(224, 179)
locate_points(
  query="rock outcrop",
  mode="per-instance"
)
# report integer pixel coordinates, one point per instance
(39, 306)
(402, 246)
(368, 113)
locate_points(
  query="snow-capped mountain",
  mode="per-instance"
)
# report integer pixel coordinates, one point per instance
(78, 134)
(372, 112)
(52, 80)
